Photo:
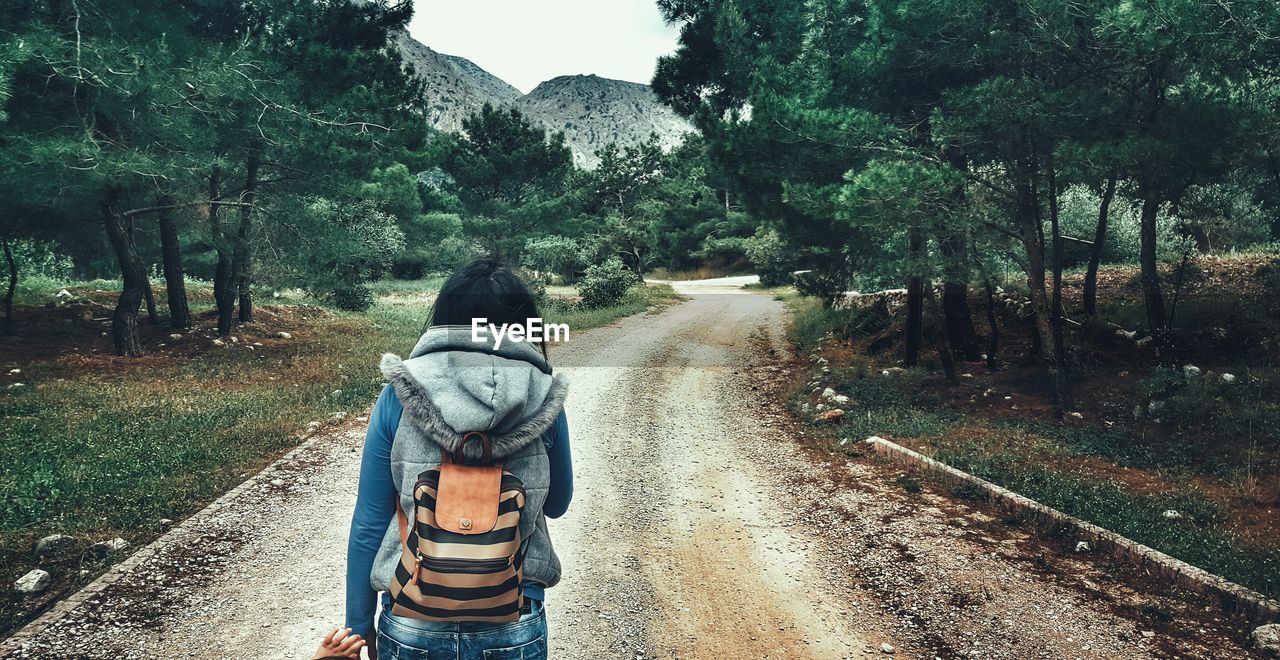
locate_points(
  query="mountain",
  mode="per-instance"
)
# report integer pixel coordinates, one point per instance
(455, 87)
(591, 111)
(594, 112)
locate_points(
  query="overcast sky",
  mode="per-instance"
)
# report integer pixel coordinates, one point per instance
(525, 42)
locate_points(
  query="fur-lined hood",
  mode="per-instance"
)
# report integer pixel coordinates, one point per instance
(451, 385)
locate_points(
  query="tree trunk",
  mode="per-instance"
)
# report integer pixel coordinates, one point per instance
(1033, 244)
(124, 321)
(1095, 250)
(1156, 318)
(223, 291)
(940, 339)
(153, 316)
(1055, 304)
(993, 341)
(955, 285)
(915, 300)
(243, 255)
(13, 287)
(955, 301)
(171, 250)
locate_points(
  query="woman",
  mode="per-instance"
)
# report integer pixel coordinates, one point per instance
(452, 384)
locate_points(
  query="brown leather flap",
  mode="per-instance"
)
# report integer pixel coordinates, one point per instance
(467, 498)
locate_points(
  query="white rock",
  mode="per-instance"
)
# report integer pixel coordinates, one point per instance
(1171, 514)
(64, 294)
(336, 418)
(234, 339)
(175, 336)
(313, 427)
(336, 393)
(283, 335)
(1191, 371)
(277, 482)
(1148, 634)
(1075, 414)
(828, 393)
(53, 544)
(873, 438)
(34, 581)
(887, 648)
(15, 371)
(1267, 638)
(969, 375)
(114, 545)
(219, 342)
(1082, 546)
(840, 399)
(165, 522)
(1227, 379)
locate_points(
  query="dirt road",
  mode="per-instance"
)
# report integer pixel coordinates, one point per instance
(699, 528)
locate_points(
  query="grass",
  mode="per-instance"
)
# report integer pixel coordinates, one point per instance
(811, 322)
(98, 447)
(637, 300)
(1198, 538)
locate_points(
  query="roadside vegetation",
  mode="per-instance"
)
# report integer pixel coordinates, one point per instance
(1185, 460)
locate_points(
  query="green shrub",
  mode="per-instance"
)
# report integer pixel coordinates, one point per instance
(772, 257)
(827, 283)
(354, 298)
(412, 265)
(1162, 382)
(560, 255)
(604, 284)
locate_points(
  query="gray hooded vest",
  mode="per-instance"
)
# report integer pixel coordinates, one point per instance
(451, 385)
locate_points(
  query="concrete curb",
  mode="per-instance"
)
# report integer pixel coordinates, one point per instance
(1233, 597)
(176, 534)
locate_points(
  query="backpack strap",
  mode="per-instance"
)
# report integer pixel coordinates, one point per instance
(486, 448)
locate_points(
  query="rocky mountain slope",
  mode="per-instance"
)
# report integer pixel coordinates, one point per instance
(455, 87)
(594, 112)
(591, 111)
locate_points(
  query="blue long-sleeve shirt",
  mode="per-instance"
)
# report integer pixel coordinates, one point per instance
(377, 498)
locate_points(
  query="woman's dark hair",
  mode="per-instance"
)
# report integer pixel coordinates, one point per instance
(486, 289)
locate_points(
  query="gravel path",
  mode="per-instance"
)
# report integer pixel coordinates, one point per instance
(699, 528)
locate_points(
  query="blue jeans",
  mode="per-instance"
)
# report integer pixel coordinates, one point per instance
(402, 638)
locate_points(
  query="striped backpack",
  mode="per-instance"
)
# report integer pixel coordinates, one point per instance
(461, 561)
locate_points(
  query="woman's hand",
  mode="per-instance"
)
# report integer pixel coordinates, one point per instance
(340, 643)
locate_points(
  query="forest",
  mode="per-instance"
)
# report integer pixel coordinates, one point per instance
(280, 145)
